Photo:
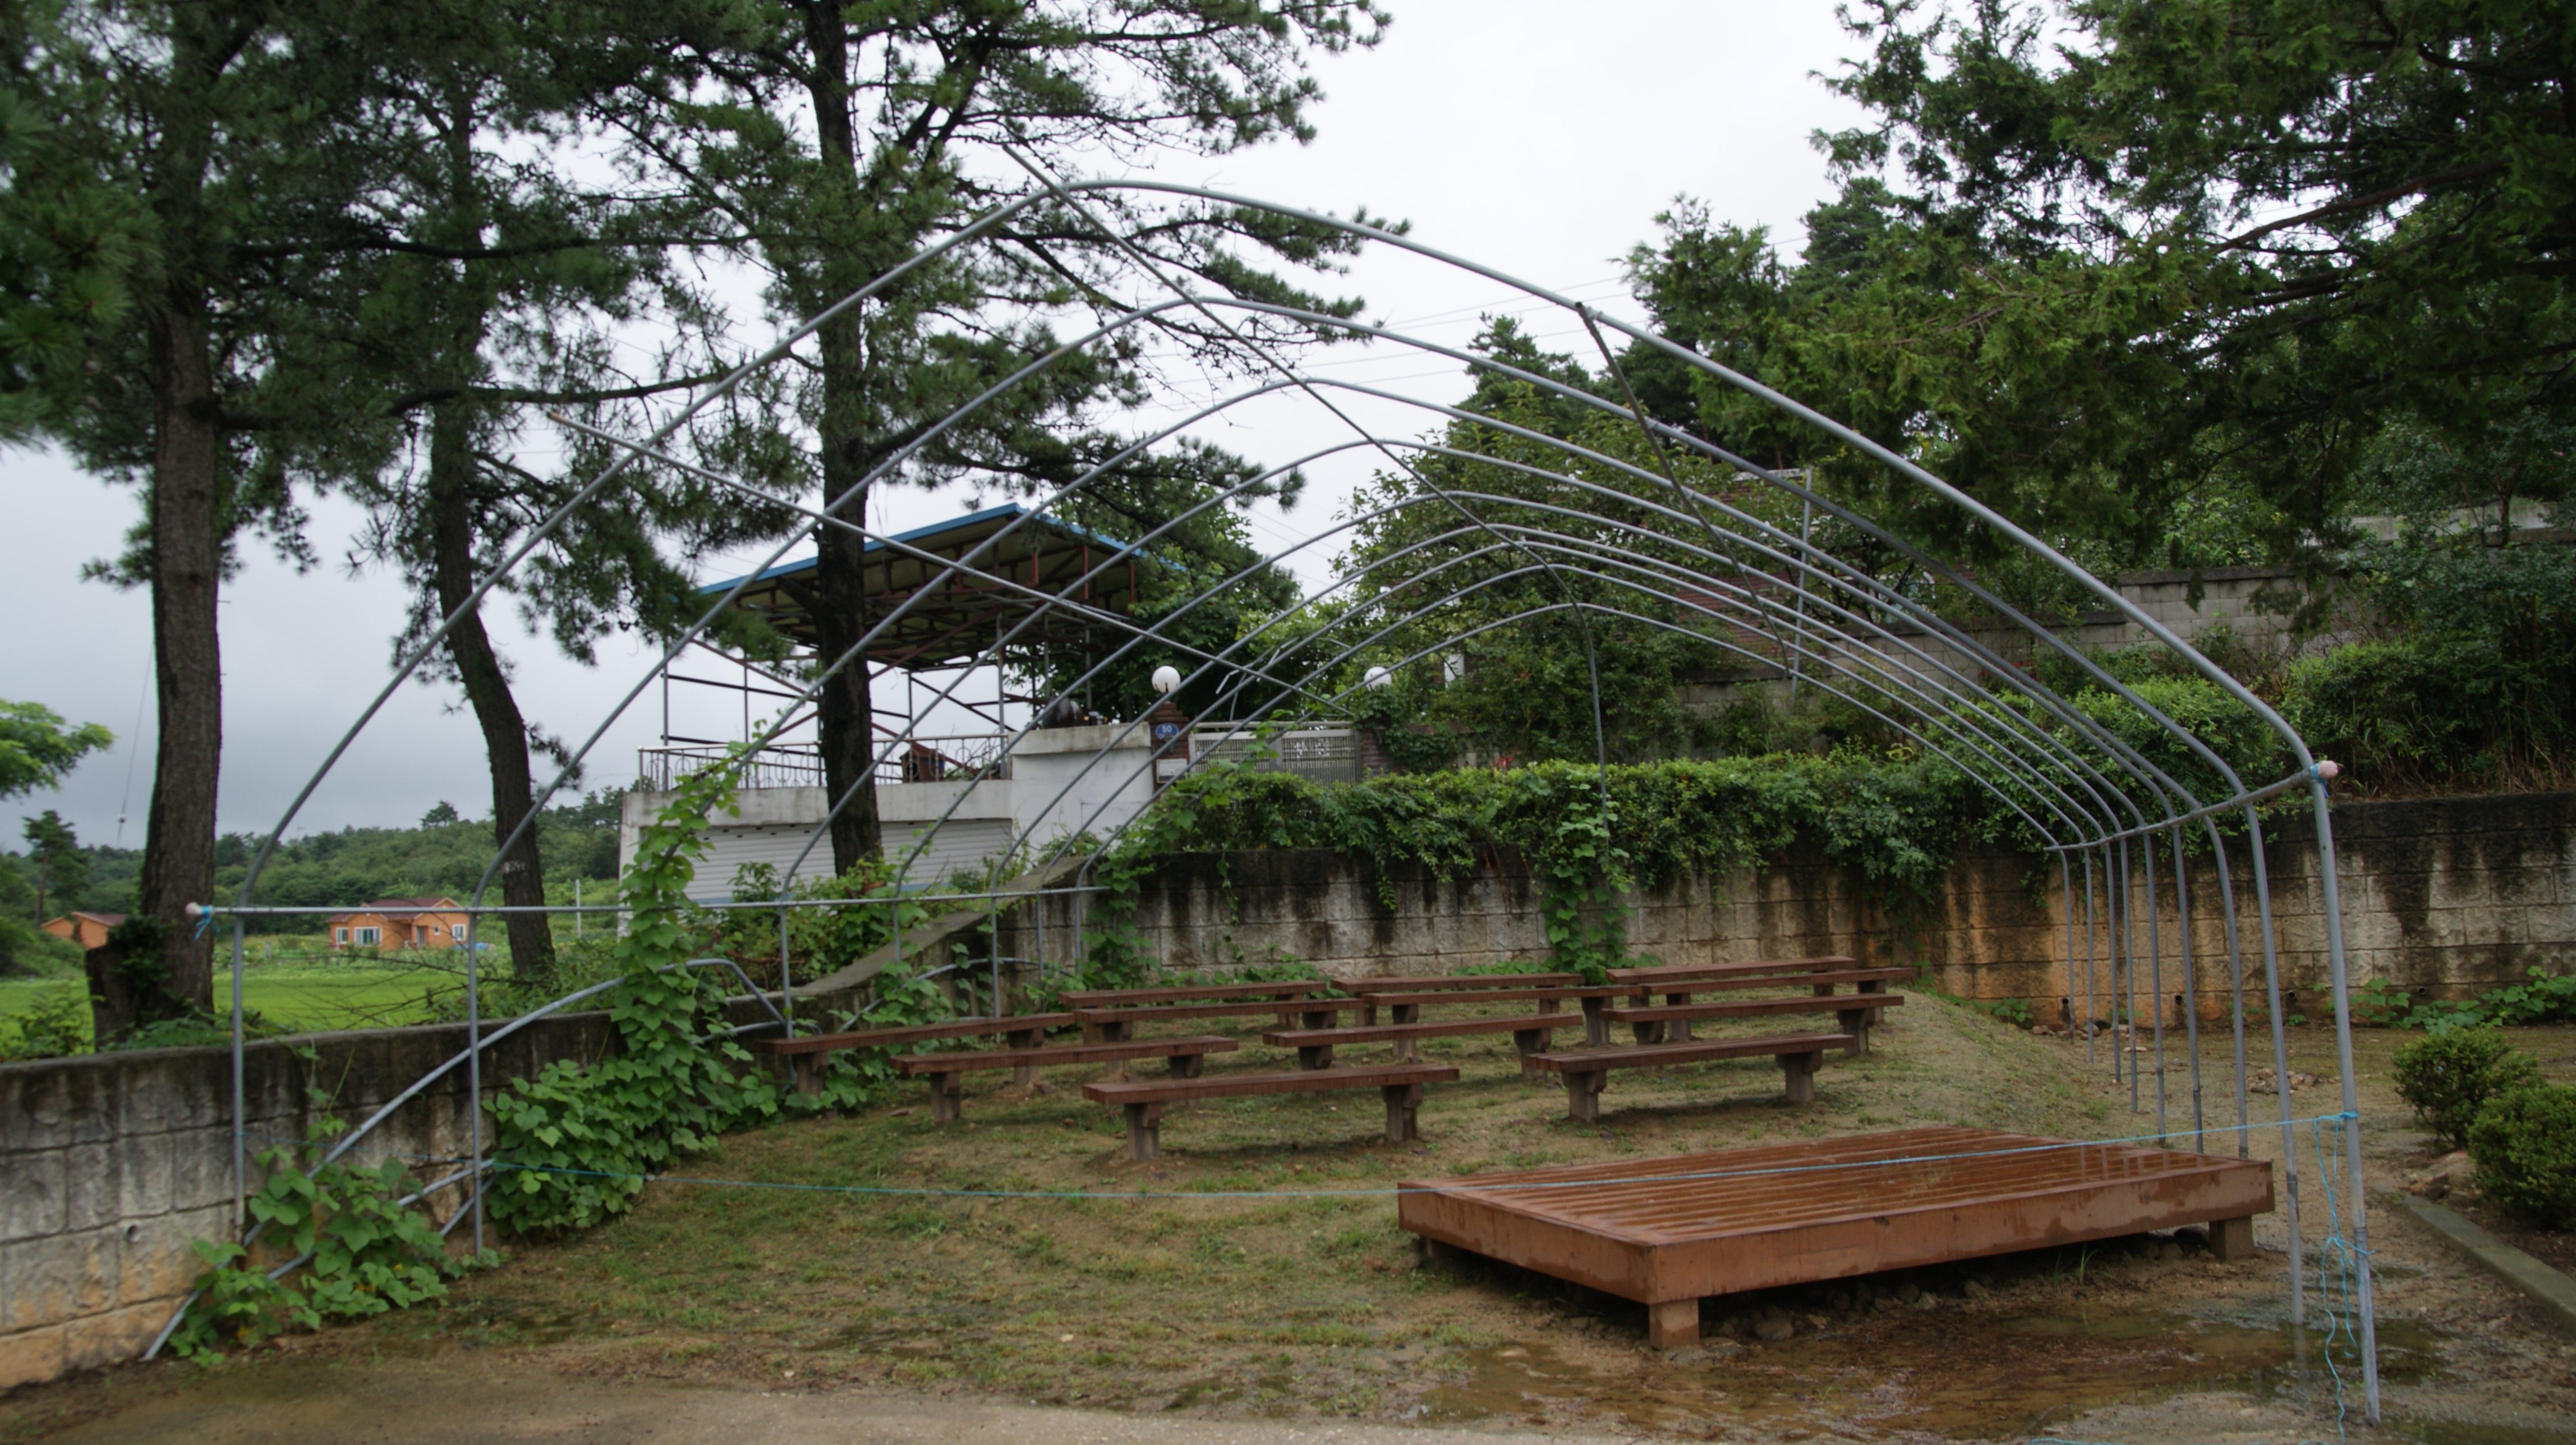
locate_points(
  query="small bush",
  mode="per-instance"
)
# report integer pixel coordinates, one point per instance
(2450, 1074)
(2524, 1144)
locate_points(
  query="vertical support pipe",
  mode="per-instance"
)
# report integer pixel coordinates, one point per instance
(2280, 1064)
(786, 978)
(2066, 901)
(2235, 985)
(474, 1051)
(2128, 1032)
(2092, 999)
(2332, 895)
(2155, 974)
(2190, 988)
(241, 1125)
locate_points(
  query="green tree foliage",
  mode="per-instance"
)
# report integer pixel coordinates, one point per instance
(838, 140)
(1500, 595)
(2123, 270)
(37, 748)
(348, 866)
(164, 160)
(60, 864)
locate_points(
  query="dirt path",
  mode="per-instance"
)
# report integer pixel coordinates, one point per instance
(414, 1404)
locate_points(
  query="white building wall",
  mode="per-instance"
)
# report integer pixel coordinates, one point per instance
(1054, 792)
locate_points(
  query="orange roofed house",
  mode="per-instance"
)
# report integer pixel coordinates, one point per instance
(400, 923)
(89, 930)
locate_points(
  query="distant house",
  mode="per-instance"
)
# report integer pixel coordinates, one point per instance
(400, 923)
(89, 930)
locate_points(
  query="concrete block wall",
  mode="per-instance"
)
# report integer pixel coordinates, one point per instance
(112, 1165)
(2452, 896)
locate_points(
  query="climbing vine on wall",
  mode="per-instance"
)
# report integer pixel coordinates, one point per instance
(575, 1143)
(1890, 819)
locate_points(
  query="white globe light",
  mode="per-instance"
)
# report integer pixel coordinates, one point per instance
(1167, 679)
(1376, 677)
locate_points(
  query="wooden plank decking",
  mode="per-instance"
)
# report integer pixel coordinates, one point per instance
(1667, 1232)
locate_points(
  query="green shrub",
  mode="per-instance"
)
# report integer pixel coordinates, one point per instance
(2524, 1143)
(2448, 1075)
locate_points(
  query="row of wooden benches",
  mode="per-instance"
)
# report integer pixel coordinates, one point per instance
(1108, 1018)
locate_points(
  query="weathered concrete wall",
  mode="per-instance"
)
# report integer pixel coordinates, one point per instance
(2452, 896)
(111, 1164)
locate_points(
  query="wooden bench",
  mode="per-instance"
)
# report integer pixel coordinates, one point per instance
(947, 1072)
(1143, 1101)
(1315, 1046)
(1587, 1071)
(1853, 1014)
(1651, 976)
(1679, 991)
(1191, 993)
(1111, 1025)
(806, 1056)
(1406, 1007)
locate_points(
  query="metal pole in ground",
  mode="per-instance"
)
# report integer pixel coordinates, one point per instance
(2190, 988)
(786, 981)
(474, 1067)
(241, 1126)
(2092, 1000)
(2331, 895)
(2066, 905)
(2280, 1065)
(2155, 976)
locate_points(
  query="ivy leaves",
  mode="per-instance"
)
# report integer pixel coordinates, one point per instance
(1891, 820)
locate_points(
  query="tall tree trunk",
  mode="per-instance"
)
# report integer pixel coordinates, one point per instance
(487, 688)
(163, 969)
(845, 714)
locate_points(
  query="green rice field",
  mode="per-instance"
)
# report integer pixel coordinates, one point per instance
(299, 993)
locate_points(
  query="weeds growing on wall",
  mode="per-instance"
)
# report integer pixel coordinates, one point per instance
(365, 1249)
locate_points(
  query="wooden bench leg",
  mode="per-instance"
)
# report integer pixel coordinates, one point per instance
(1403, 1120)
(809, 1073)
(1583, 1095)
(1145, 1131)
(1528, 1042)
(1673, 1324)
(1314, 1056)
(1596, 1029)
(947, 1097)
(1186, 1066)
(1855, 1022)
(1317, 1018)
(1645, 1033)
(1116, 1032)
(1680, 1032)
(1027, 1073)
(1368, 1015)
(1801, 1072)
(2232, 1239)
(1877, 1016)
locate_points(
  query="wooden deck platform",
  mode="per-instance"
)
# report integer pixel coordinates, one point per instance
(1668, 1232)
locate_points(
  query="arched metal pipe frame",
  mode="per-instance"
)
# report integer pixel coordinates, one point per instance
(2098, 794)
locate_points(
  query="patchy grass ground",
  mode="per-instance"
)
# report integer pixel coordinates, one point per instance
(1302, 1299)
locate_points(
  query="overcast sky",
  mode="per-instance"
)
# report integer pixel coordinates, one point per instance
(1535, 138)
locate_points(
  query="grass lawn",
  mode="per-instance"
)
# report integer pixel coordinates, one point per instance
(297, 995)
(1294, 1299)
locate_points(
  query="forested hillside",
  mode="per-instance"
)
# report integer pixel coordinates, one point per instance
(443, 853)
